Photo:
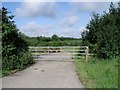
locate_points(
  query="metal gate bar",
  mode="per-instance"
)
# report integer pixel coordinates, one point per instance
(52, 52)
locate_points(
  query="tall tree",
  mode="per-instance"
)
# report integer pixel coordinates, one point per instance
(55, 37)
(103, 33)
(14, 48)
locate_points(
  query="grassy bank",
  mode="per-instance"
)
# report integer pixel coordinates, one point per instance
(98, 73)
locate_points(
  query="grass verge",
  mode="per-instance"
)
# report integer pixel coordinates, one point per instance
(98, 73)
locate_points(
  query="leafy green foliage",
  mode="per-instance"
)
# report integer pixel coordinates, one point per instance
(55, 37)
(102, 34)
(15, 54)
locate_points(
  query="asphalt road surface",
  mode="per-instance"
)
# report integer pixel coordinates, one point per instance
(56, 72)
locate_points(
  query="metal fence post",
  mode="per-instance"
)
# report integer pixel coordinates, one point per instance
(60, 52)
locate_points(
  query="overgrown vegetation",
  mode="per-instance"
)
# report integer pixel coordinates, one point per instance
(98, 73)
(0, 54)
(51, 41)
(102, 34)
(15, 53)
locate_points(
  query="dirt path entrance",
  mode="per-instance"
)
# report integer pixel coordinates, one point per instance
(45, 74)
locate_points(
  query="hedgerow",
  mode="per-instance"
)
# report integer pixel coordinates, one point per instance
(15, 52)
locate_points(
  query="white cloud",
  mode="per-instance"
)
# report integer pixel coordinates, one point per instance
(33, 29)
(89, 6)
(39, 0)
(35, 9)
(61, 0)
(69, 21)
(71, 32)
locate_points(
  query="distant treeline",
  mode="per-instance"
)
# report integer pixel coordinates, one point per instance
(51, 41)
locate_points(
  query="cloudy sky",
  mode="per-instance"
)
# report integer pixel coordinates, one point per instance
(47, 18)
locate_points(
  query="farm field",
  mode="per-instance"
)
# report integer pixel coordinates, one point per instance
(98, 73)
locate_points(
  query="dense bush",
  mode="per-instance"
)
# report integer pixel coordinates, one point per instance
(15, 53)
(102, 34)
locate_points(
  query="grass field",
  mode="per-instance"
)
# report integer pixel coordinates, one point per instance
(98, 73)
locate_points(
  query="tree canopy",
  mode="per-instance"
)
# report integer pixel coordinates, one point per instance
(15, 52)
(102, 33)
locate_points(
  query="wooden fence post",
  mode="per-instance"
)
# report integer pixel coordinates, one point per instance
(36, 53)
(86, 51)
(73, 52)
